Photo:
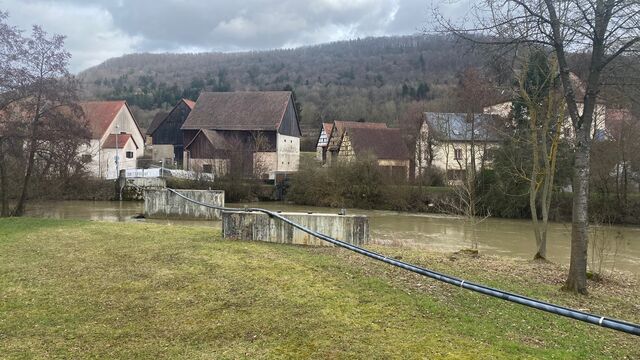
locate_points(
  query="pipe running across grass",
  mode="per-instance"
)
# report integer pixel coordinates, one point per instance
(603, 321)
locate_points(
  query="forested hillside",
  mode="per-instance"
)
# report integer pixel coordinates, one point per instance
(373, 78)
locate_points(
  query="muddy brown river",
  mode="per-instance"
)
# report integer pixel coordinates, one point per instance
(620, 245)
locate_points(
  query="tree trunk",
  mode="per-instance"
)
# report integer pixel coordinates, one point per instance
(4, 197)
(19, 209)
(577, 278)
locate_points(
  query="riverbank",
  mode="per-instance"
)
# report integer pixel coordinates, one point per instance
(129, 290)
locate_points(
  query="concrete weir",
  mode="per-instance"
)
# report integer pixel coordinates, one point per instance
(161, 204)
(243, 225)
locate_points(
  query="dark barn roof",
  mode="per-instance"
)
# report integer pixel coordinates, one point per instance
(161, 116)
(157, 120)
(383, 143)
(217, 139)
(247, 111)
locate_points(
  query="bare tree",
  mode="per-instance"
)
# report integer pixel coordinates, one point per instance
(606, 30)
(49, 87)
(410, 122)
(545, 114)
(38, 101)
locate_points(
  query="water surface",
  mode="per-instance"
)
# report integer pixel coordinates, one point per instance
(505, 237)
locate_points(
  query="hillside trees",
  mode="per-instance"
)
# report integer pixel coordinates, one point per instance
(602, 29)
(345, 80)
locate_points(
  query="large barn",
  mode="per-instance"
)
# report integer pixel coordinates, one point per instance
(164, 132)
(250, 133)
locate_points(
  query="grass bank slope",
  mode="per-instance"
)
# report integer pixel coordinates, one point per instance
(103, 290)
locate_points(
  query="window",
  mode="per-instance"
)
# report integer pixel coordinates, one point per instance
(129, 154)
(207, 168)
(457, 154)
(86, 158)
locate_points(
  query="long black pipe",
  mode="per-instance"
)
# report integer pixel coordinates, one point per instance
(603, 321)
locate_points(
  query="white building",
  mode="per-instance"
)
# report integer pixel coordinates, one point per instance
(446, 140)
(598, 128)
(114, 133)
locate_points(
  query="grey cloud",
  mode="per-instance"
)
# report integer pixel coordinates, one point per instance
(102, 28)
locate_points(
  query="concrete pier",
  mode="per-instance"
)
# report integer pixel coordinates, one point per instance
(242, 225)
(161, 204)
(134, 187)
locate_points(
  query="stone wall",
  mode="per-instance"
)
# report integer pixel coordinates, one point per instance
(134, 187)
(242, 225)
(160, 204)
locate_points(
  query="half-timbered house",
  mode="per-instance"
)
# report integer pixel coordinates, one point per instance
(323, 141)
(337, 131)
(385, 145)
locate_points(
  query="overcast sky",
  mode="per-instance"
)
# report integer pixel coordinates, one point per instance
(100, 29)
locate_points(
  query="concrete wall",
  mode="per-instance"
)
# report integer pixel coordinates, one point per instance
(160, 204)
(243, 225)
(134, 187)
(161, 152)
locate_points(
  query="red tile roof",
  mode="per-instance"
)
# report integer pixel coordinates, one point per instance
(341, 126)
(383, 143)
(110, 142)
(327, 128)
(190, 103)
(100, 115)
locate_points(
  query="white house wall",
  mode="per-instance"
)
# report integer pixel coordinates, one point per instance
(444, 155)
(288, 153)
(92, 149)
(103, 160)
(108, 160)
(126, 124)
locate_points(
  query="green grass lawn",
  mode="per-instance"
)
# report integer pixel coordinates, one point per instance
(76, 289)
